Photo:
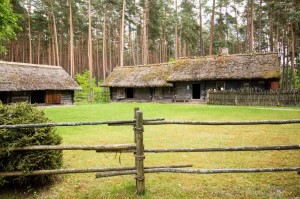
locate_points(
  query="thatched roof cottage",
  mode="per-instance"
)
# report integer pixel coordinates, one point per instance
(43, 84)
(190, 79)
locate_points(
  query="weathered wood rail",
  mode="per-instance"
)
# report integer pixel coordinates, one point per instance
(137, 148)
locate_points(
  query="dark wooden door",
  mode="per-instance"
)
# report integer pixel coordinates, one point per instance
(53, 97)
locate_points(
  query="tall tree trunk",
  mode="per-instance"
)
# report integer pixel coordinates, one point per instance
(104, 55)
(97, 60)
(271, 29)
(90, 51)
(55, 39)
(145, 32)
(293, 83)
(176, 31)
(259, 26)
(201, 45)
(236, 28)
(39, 48)
(72, 68)
(122, 31)
(29, 31)
(252, 27)
(212, 22)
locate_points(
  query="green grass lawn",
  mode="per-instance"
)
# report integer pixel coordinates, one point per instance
(169, 185)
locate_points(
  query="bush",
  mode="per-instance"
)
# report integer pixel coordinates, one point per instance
(100, 94)
(26, 161)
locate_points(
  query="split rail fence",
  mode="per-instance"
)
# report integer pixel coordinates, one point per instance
(137, 148)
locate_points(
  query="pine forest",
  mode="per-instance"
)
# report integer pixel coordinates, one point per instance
(98, 35)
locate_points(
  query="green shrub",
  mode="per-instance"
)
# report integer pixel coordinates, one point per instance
(100, 94)
(26, 161)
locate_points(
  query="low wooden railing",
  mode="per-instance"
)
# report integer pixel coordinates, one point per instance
(255, 98)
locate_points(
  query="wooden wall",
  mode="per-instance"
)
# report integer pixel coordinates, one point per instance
(51, 97)
(67, 97)
(145, 94)
(182, 91)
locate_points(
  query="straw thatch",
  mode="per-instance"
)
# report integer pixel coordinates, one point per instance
(31, 77)
(155, 75)
(232, 67)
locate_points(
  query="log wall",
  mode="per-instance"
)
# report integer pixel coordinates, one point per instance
(67, 97)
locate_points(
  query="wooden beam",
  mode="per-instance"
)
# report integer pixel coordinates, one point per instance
(225, 149)
(200, 171)
(89, 170)
(259, 122)
(128, 122)
(100, 148)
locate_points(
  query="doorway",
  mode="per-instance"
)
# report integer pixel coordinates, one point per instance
(3, 97)
(129, 93)
(196, 91)
(38, 97)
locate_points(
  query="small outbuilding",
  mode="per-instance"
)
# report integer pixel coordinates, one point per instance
(41, 84)
(191, 79)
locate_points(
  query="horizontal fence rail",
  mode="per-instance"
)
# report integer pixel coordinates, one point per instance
(90, 170)
(128, 122)
(258, 122)
(200, 171)
(100, 148)
(225, 149)
(154, 121)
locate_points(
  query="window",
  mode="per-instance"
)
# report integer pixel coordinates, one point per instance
(245, 85)
(121, 93)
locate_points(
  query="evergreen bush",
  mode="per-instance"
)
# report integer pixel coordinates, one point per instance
(26, 161)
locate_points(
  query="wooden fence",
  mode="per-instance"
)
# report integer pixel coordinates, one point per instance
(255, 98)
(137, 148)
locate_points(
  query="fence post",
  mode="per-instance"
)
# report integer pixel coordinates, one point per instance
(136, 109)
(139, 157)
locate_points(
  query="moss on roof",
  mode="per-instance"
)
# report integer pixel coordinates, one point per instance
(254, 66)
(30, 77)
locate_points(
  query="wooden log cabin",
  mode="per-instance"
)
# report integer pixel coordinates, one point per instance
(191, 79)
(41, 84)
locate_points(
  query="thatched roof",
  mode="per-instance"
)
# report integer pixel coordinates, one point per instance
(256, 66)
(155, 75)
(30, 77)
(235, 67)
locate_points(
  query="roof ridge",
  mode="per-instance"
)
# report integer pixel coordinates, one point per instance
(29, 65)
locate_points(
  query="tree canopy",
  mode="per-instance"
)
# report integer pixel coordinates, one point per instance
(8, 23)
(56, 32)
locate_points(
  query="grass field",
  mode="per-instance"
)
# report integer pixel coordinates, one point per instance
(168, 185)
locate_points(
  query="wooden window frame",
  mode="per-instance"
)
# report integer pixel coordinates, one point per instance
(121, 93)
